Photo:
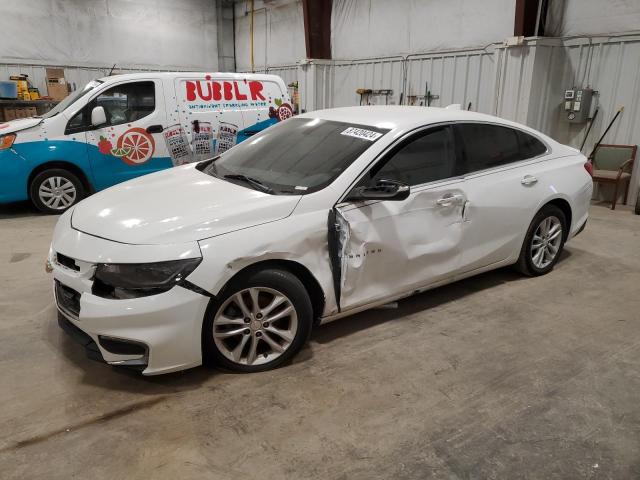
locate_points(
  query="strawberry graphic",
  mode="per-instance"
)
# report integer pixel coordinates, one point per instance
(272, 113)
(284, 110)
(104, 146)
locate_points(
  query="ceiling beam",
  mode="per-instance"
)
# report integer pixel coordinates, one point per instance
(317, 28)
(526, 17)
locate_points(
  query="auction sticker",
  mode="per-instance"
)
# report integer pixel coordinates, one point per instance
(361, 133)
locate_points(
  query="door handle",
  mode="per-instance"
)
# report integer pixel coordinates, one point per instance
(449, 199)
(528, 180)
(154, 129)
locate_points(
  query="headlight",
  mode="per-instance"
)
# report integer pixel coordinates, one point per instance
(6, 141)
(130, 280)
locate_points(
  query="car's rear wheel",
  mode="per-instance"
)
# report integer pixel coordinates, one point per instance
(259, 323)
(544, 242)
(55, 190)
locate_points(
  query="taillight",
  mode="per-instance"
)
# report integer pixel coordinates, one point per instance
(588, 166)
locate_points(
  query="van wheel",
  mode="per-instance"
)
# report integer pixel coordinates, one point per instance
(260, 322)
(544, 242)
(55, 190)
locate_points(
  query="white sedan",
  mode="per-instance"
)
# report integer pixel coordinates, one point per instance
(233, 260)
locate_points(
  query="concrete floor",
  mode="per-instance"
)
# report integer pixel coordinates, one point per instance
(493, 377)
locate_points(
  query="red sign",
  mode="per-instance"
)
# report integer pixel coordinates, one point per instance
(214, 90)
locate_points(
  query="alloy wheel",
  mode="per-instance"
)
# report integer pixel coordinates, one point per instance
(255, 326)
(57, 193)
(546, 242)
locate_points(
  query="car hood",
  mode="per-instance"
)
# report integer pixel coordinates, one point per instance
(176, 205)
(17, 125)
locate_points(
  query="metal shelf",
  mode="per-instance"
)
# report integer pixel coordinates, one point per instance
(27, 103)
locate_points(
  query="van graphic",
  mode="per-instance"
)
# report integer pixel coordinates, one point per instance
(120, 127)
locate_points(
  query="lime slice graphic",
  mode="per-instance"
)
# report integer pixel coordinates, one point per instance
(120, 152)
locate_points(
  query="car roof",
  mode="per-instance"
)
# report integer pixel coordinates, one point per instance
(197, 75)
(406, 117)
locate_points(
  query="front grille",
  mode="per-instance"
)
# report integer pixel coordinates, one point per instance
(68, 299)
(67, 262)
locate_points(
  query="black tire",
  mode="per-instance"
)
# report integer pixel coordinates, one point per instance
(281, 281)
(637, 209)
(57, 176)
(525, 263)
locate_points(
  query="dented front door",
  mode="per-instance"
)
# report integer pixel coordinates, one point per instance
(387, 248)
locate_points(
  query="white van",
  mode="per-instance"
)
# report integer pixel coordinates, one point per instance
(124, 126)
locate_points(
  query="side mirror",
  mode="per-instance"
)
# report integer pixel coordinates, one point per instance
(383, 190)
(98, 116)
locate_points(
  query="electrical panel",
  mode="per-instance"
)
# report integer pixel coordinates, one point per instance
(577, 104)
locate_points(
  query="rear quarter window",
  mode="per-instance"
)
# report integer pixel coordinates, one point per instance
(530, 146)
(488, 146)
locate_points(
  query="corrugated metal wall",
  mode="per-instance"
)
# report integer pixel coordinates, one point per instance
(454, 77)
(524, 83)
(375, 74)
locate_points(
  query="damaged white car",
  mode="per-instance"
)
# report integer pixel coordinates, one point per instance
(324, 215)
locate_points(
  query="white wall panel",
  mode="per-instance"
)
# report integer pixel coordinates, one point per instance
(456, 77)
(592, 17)
(288, 73)
(130, 33)
(374, 74)
(278, 34)
(368, 28)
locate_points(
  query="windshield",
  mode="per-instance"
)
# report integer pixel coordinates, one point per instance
(71, 99)
(297, 156)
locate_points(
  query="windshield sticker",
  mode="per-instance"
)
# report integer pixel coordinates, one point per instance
(298, 187)
(361, 133)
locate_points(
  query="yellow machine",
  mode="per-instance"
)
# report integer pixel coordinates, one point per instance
(25, 90)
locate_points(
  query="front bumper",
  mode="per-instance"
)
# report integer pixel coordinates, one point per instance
(166, 328)
(156, 334)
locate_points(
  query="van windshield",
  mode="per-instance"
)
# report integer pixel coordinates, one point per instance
(71, 99)
(297, 156)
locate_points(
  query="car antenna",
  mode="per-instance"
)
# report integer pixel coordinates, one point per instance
(111, 71)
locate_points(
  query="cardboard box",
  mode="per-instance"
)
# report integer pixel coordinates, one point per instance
(21, 112)
(56, 83)
(55, 72)
(31, 111)
(9, 114)
(57, 89)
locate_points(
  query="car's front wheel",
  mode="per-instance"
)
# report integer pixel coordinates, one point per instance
(55, 190)
(544, 242)
(260, 322)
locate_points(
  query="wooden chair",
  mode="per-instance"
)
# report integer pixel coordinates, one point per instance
(613, 164)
